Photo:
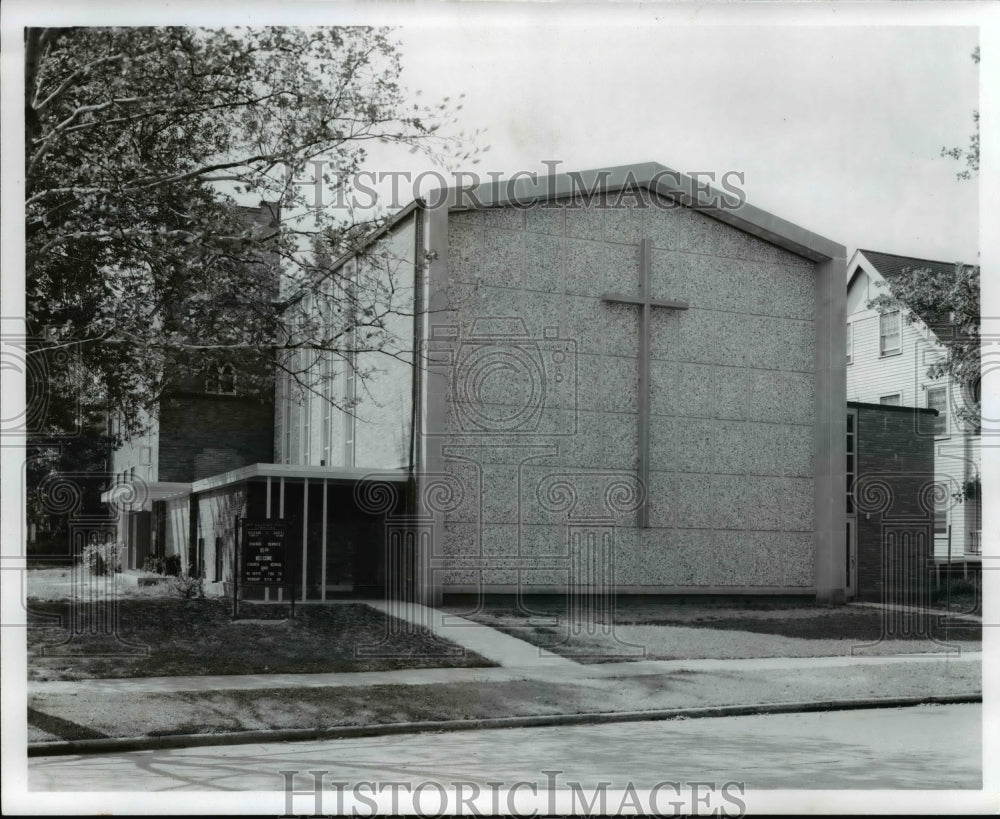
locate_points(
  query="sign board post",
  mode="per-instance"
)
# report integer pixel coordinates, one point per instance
(261, 557)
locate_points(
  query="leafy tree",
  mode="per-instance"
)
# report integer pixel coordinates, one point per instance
(139, 269)
(970, 154)
(65, 478)
(954, 295)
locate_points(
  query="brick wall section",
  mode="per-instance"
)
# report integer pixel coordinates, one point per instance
(893, 497)
(204, 435)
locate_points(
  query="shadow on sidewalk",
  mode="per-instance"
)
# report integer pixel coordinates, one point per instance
(62, 728)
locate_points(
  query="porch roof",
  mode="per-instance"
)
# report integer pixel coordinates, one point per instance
(299, 472)
(144, 492)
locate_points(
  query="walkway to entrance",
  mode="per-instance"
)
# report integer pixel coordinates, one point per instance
(487, 642)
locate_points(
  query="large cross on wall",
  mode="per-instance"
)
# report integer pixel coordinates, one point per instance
(646, 304)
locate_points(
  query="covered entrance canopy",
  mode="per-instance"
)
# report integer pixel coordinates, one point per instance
(344, 529)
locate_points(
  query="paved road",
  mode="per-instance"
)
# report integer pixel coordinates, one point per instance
(886, 748)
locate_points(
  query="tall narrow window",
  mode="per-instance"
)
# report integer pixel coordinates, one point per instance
(851, 455)
(305, 440)
(850, 342)
(350, 372)
(327, 394)
(937, 399)
(218, 560)
(289, 397)
(889, 334)
(350, 425)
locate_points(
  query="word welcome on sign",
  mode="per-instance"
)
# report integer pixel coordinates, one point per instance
(264, 552)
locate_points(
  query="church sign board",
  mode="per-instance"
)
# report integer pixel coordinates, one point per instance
(264, 552)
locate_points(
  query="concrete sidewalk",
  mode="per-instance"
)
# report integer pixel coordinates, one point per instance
(487, 642)
(589, 692)
(943, 613)
(566, 671)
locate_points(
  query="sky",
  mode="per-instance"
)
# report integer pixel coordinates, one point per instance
(834, 116)
(833, 113)
(837, 129)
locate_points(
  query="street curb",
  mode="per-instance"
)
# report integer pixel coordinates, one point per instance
(124, 744)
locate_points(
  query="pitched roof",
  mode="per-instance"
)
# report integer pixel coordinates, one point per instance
(524, 190)
(892, 266)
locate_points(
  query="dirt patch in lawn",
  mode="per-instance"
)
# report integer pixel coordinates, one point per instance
(648, 628)
(87, 715)
(168, 637)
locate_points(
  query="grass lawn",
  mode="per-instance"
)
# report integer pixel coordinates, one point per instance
(87, 715)
(662, 628)
(153, 635)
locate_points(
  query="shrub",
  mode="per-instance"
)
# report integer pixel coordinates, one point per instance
(103, 558)
(187, 587)
(958, 589)
(155, 564)
(963, 587)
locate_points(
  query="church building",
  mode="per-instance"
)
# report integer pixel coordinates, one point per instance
(617, 381)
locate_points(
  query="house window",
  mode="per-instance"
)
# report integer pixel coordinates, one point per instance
(222, 381)
(937, 399)
(940, 514)
(850, 342)
(889, 334)
(890, 400)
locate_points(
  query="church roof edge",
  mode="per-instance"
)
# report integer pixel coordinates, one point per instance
(527, 190)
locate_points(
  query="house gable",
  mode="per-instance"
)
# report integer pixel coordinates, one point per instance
(902, 377)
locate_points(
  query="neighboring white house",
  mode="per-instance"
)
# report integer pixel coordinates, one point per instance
(887, 363)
